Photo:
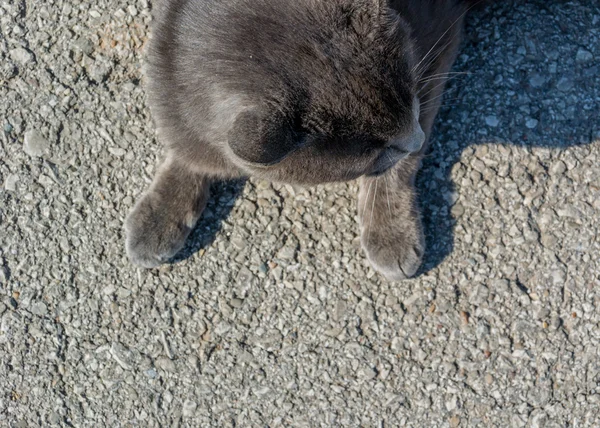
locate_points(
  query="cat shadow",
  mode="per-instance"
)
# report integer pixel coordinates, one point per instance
(223, 195)
(541, 96)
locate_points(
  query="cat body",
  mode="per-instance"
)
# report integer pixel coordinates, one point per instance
(302, 92)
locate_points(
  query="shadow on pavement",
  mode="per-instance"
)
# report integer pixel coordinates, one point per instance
(533, 89)
(220, 203)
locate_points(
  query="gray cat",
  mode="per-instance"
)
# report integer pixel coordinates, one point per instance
(303, 92)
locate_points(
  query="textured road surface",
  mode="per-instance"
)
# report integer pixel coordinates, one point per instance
(272, 317)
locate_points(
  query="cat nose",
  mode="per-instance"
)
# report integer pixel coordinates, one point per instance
(410, 143)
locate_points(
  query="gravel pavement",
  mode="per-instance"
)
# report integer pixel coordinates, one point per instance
(272, 316)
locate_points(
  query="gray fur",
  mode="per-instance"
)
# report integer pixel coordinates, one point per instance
(303, 92)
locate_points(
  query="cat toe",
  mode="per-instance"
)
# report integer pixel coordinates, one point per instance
(142, 254)
(396, 259)
(397, 267)
(152, 237)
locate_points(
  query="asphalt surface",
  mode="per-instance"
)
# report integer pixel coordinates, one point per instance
(272, 316)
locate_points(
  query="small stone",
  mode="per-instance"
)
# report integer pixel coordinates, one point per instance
(151, 373)
(54, 418)
(287, 253)
(39, 308)
(10, 184)
(99, 71)
(584, 56)
(368, 373)
(564, 84)
(132, 10)
(236, 303)
(7, 72)
(189, 408)
(84, 45)
(238, 242)
(4, 275)
(492, 121)
(538, 419)
(531, 123)
(34, 144)
(569, 211)
(454, 421)
(451, 197)
(121, 355)
(537, 80)
(166, 364)
(117, 151)
(451, 404)
(464, 318)
(548, 240)
(21, 56)
(558, 168)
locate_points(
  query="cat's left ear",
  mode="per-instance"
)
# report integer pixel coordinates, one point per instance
(367, 14)
(262, 138)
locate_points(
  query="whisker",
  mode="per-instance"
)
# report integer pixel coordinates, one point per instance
(431, 90)
(387, 193)
(366, 200)
(443, 76)
(430, 62)
(372, 210)
(430, 101)
(441, 106)
(449, 73)
(436, 86)
(444, 33)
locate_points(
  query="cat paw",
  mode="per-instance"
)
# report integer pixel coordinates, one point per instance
(394, 247)
(155, 232)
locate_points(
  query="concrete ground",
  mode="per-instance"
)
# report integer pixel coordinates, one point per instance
(271, 316)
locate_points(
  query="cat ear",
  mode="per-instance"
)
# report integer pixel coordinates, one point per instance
(366, 14)
(262, 139)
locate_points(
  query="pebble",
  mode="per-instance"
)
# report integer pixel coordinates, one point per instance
(537, 80)
(189, 408)
(236, 303)
(39, 308)
(584, 56)
(21, 56)
(492, 121)
(454, 421)
(34, 144)
(151, 373)
(165, 364)
(10, 184)
(121, 355)
(565, 84)
(287, 253)
(531, 123)
(117, 151)
(558, 168)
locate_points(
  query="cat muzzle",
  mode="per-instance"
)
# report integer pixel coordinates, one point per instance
(411, 143)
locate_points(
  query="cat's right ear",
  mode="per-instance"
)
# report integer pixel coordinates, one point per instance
(262, 139)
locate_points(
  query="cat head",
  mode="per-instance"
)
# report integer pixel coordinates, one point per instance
(328, 87)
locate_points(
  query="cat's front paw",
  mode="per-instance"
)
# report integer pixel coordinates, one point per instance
(391, 232)
(394, 249)
(154, 233)
(396, 258)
